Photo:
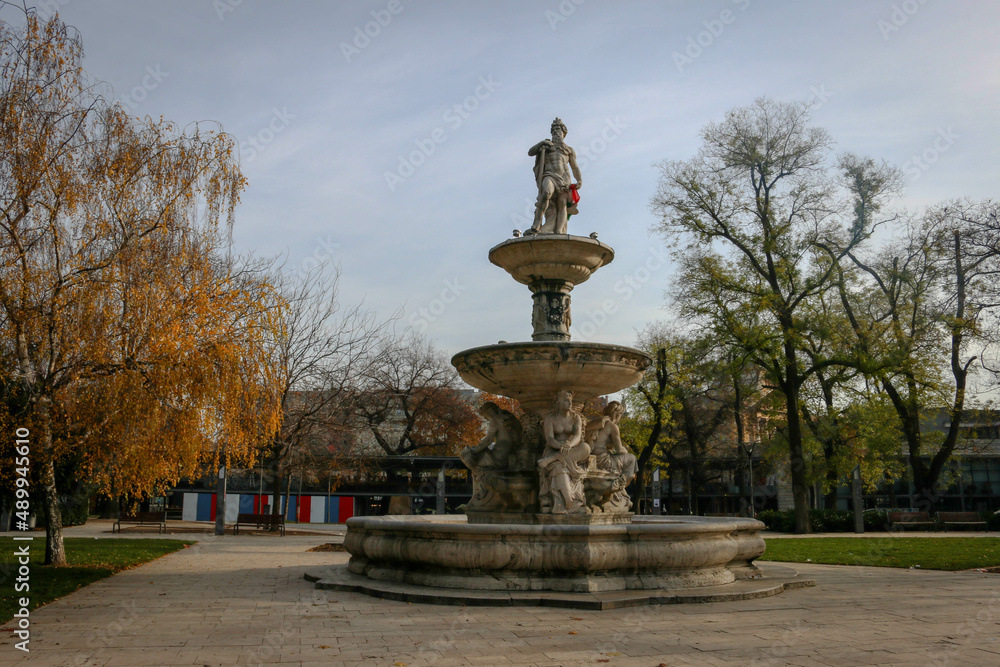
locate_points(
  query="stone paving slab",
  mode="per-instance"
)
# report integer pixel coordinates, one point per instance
(243, 601)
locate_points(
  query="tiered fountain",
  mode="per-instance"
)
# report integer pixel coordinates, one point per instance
(550, 520)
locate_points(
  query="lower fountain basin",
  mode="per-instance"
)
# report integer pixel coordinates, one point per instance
(532, 372)
(651, 553)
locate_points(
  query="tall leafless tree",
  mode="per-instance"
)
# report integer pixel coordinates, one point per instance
(325, 350)
(409, 401)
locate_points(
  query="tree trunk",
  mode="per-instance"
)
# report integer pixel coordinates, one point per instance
(288, 495)
(790, 385)
(932, 473)
(800, 491)
(830, 446)
(108, 506)
(55, 551)
(640, 485)
(276, 490)
(670, 491)
(830, 498)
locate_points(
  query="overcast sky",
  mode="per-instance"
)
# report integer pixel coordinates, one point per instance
(392, 135)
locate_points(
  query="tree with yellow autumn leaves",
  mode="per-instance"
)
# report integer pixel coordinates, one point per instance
(128, 337)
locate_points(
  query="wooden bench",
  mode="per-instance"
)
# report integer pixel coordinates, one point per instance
(910, 520)
(142, 518)
(961, 519)
(260, 522)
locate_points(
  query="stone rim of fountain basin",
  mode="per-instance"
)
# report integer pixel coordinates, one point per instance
(561, 257)
(532, 372)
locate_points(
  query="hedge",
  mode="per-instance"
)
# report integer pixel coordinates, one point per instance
(822, 521)
(841, 521)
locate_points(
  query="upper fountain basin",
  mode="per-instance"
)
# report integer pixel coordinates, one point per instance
(551, 257)
(533, 373)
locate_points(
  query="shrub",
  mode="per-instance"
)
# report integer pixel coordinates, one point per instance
(75, 508)
(822, 521)
(780, 521)
(876, 520)
(831, 521)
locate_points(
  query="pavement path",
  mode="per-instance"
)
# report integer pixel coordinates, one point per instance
(242, 601)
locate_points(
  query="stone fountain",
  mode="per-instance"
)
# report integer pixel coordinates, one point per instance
(550, 520)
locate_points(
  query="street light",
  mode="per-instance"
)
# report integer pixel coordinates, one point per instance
(749, 450)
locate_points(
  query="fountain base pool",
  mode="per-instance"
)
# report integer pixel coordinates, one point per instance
(652, 560)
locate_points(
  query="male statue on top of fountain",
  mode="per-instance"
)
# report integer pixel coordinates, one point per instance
(556, 201)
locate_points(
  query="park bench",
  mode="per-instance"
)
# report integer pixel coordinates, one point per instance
(142, 518)
(961, 519)
(260, 522)
(910, 520)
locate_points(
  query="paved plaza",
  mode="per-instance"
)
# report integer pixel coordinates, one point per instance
(243, 601)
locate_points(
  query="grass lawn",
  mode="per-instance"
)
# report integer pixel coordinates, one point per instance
(930, 553)
(89, 560)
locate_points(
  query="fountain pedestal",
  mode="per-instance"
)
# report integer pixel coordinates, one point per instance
(551, 265)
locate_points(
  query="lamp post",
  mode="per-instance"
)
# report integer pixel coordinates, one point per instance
(260, 491)
(749, 450)
(220, 502)
(857, 500)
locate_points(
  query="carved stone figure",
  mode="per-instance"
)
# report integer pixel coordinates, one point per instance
(564, 464)
(610, 455)
(495, 454)
(554, 161)
(503, 432)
